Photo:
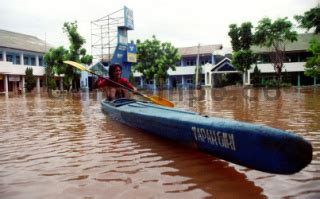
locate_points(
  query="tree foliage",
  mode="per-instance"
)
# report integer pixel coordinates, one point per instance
(55, 66)
(256, 75)
(310, 19)
(313, 63)
(275, 35)
(243, 59)
(155, 58)
(55, 57)
(30, 80)
(241, 40)
(75, 53)
(234, 34)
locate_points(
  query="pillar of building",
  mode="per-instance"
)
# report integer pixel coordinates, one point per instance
(249, 80)
(6, 85)
(168, 82)
(212, 80)
(245, 78)
(298, 83)
(37, 60)
(207, 78)
(141, 82)
(213, 60)
(38, 84)
(314, 80)
(182, 81)
(23, 85)
(21, 59)
(4, 55)
(154, 84)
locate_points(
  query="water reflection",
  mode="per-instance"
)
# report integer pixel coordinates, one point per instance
(67, 148)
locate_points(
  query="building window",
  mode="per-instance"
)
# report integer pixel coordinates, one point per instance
(9, 58)
(149, 81)
(1, 59)
(179, 80)
(203, 62)
(33, 61)
(40, 61)
(203, 78)
(190, 81)
(190, 63)
(18, 59)
(26, 60)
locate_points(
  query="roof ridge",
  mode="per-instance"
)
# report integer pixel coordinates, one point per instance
(17, 33)
(201, 46)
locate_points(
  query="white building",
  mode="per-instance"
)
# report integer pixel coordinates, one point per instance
(17, 52)
(216, 64)
(211, 60)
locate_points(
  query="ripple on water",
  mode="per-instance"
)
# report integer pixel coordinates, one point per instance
(67, 148)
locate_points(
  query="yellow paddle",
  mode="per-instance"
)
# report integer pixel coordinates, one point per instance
(155, 99)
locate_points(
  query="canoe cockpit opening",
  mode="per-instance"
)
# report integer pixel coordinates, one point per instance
(120, 102)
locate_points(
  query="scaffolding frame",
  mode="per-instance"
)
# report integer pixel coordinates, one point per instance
(104, 32)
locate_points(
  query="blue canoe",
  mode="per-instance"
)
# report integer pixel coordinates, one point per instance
(253, 146)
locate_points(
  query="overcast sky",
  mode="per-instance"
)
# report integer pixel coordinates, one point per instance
(181, 22)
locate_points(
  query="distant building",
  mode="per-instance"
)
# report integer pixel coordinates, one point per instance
(17, 52)
(183, 76)
(295, 58)
(216, 63)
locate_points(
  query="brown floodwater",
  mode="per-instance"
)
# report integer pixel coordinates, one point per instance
(65, 147)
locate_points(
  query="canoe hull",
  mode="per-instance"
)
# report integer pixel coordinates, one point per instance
(254, 146)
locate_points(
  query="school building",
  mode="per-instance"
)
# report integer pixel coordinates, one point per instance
(295, 58)
(215, 63)
(17, 52)
(211, 58)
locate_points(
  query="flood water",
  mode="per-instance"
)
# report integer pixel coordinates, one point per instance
(65, 147)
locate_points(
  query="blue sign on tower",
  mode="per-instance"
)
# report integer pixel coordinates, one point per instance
(125, 54)
(128, 18)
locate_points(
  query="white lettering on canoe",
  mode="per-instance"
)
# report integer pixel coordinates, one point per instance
(217, 138)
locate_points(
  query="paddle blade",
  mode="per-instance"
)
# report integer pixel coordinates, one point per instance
(160, 101)
(77, 65)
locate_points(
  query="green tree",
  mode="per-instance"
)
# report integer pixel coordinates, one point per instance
(234, 34)
(275, 35)
(313, 63)
(75, 53)
(55, 66)
(241, 40)
(55, 57)
(256, 76)
(310, 19)
(155, 58)
(30, 80)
